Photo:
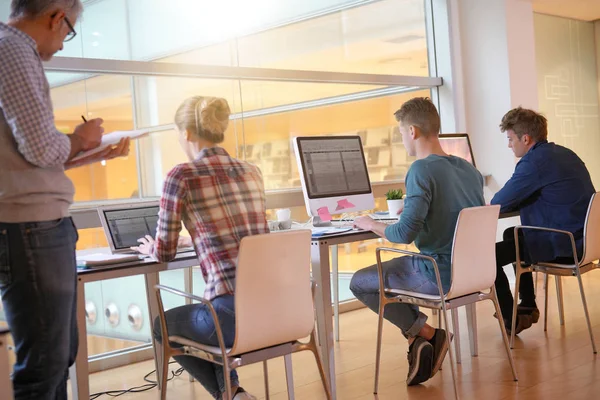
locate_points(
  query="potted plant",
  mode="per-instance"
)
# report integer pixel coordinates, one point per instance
(395, 201)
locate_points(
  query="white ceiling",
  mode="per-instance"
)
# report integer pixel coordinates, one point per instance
(585, 10)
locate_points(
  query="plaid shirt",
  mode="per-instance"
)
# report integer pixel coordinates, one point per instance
(25, 101)
(220, 200)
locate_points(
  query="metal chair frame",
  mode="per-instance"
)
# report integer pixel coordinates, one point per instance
(576, 269)
(221, 355)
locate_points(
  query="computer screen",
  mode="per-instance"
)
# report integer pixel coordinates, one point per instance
(459, 145)
(127, 225)
(333, 166)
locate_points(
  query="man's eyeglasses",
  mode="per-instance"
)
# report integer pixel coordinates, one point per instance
(72, 32)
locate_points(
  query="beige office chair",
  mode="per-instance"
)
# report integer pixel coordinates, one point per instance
(591, 254)
(6, 389)
(473, 276)
(273, 309)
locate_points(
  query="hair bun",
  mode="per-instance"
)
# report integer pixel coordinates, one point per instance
(214, 115)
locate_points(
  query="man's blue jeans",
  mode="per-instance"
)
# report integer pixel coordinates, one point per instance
(195, 322)
(38, 282)
(402, 273)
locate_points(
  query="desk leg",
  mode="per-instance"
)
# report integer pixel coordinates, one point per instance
(151, 281)
(336, 291)
(79, 372)
(188, 283)
(320, 270)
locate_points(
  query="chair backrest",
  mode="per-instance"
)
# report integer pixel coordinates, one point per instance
(474, 250)
(273, 296)
(591, 232)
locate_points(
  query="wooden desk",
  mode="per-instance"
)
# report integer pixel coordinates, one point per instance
(6, 389)
(321, 270)
(79, 372)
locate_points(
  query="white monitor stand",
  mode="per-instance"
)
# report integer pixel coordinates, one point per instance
(334, 176)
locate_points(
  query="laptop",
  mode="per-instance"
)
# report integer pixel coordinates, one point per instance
(125, 224)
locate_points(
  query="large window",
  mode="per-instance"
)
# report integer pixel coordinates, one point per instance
(287, 68)
(358, 39)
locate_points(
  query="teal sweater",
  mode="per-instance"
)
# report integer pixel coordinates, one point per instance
(437, 189)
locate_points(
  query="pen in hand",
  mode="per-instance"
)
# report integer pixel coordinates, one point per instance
(83, 118)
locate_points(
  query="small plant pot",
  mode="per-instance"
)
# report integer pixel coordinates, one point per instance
(394, 206)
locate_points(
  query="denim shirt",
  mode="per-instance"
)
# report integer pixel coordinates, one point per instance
(551, 188)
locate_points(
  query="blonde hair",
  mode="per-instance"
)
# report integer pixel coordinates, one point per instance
(205, 117)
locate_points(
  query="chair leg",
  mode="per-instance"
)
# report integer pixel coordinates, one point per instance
(545, 302)
(315, 350)
(440, 324)
(472, 326)
(504, 335)
(227, 373)
(513, 324)
(378, 349)
(535, 282)
(289, 376)
(266, 375)
(336, 291)
(559, 299)
(164, 376)
(450, 350)
(456, 329)
(585, 310)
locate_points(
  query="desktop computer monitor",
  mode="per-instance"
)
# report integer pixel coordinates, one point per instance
(333, 173)
(459, 145)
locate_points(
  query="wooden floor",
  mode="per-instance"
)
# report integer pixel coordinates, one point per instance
(555, 365)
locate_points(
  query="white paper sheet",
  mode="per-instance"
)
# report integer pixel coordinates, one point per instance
(111, 139)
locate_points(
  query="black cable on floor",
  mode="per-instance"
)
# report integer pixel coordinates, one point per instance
(143, 388)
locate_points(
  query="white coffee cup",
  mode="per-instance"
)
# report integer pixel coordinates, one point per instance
(284, 214)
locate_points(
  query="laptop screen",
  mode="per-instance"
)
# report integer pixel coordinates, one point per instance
(127, 225)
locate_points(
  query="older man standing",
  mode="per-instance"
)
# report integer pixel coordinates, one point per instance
(37, 236)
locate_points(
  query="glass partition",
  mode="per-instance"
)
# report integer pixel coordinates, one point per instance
(265, 116)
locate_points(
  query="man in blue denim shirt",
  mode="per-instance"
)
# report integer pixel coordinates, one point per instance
(551, 187)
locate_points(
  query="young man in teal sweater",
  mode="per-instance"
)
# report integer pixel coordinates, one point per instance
(438, 187)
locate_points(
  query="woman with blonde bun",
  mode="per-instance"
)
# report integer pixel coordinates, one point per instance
(220, 200)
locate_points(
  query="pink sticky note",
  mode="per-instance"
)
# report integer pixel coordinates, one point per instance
(324, 214)
(343, 204)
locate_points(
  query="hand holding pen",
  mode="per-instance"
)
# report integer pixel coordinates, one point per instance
(89, 133)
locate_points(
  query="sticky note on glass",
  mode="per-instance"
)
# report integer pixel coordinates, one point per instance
(324, 214)
(343, 204)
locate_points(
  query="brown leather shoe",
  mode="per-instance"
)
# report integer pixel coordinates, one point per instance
(524, 321)
(531, 311)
